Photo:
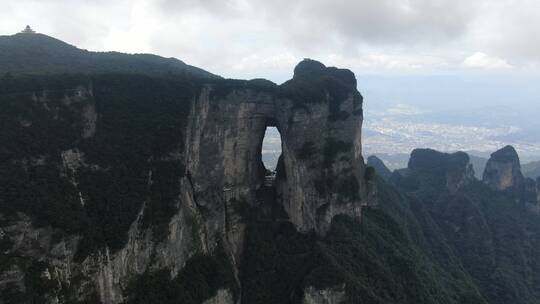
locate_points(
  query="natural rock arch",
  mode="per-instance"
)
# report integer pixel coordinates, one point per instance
(214, 128)
(319, 116)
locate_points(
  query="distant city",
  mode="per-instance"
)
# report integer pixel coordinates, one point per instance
(399, 130)
(392, 133)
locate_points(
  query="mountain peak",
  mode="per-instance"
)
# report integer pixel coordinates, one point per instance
(503, 170)
(427, 159)
(506, 154)
(438, 169)
(379, 166)
(308, 67)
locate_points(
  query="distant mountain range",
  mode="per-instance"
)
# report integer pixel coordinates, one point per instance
(398, 161)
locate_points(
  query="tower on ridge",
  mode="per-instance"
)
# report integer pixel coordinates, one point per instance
(28, 30)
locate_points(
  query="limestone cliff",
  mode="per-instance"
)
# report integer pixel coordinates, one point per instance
(321, 142)
(503, 173)
(114, 177)
(433, 169)
(503, 170)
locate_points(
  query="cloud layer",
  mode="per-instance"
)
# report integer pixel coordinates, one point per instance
(244, 38)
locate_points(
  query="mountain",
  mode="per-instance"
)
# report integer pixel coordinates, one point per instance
(137, 188)
(31, 53)
(503, 170)
(480, 227)
(431, 170)
(532, 169)
(379, 166)
(116, 183)
(399, 161)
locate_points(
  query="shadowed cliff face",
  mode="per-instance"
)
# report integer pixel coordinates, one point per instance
(430, 169)
(319, 116)
(503, 170)
(152, 174)
(503, 173)
(487, 225)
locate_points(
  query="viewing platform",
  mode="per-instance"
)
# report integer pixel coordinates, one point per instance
(270, 179)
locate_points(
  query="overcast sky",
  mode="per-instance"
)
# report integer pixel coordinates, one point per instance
(261, 38)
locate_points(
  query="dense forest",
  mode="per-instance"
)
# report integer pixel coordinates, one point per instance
(41, 54)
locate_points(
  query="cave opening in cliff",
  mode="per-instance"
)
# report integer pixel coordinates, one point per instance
(271, 148)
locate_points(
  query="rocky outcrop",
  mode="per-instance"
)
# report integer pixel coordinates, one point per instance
(379, 166)
(112, 271)
(216, 149)
(330, 180)
(437, 170)
(503, 171)
(334, 295)
(104, 273)
(321, 139)
(35, 256)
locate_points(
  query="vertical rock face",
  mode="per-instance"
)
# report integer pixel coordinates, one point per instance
(103, 275)
(180, 186)
(436, 169)
(503, 170)
(503, 173)
(322, 150)
(322, 172)
(335, 295)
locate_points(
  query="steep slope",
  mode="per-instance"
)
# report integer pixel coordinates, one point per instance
(385, 259)
(27, 53)
(112, 182)
(490, 231)
(379, 166)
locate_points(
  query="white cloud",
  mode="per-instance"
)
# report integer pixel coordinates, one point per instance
(237, 37)
(385, 61)
(481, 60)
(281, 59)
(509, 29)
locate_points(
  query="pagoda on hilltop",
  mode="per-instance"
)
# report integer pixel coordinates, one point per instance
(28, 30)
